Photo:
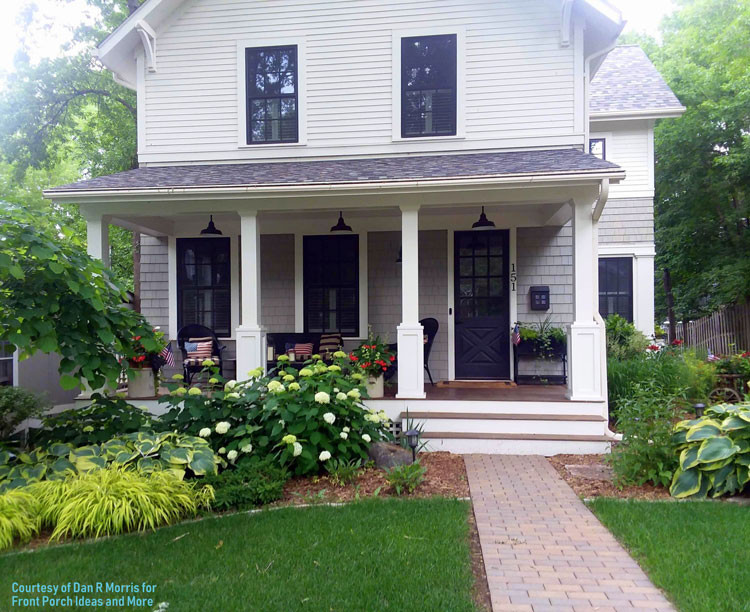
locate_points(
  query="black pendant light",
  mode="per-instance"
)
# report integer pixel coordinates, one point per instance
(341, 226)
(484, 223)
(210, 229)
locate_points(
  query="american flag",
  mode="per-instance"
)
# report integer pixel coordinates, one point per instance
(167, 355)
(516, 336)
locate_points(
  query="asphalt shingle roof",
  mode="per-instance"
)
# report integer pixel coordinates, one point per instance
(349, 171)
(628, 81)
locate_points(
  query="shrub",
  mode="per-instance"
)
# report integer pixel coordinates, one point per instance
(645, 453)
(544, 336)
(251, 484)
(102, 420)
(18, 518)
(17, 405)
(146, 452)
(735, 364)
(303, 418)
(624, 341)
(116, 500)
(405, 477)
(343, 472)
(714, 452)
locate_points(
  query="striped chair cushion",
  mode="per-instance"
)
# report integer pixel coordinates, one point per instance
(191, 362)
(329, 343)
(303, 349)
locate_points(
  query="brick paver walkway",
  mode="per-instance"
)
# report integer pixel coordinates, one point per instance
(543, 549)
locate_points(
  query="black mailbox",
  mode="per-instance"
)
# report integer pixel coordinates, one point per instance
(539, 298)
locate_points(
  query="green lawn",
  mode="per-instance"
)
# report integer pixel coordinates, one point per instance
(384, 554)
(697, 552)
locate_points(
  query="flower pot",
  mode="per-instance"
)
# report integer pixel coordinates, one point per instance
(141, 383)
(375, 387)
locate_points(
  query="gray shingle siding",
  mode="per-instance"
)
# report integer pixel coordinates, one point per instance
(627, 221)
(155, 280)
(277, 282)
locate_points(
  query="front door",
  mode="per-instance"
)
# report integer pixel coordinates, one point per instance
(482, 304)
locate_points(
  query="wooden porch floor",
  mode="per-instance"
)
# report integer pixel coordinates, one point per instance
(521, 393)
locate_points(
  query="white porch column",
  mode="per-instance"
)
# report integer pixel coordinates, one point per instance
(586, 338)
(251, 351)
(643, 293)
(97, 237)
(410, 332)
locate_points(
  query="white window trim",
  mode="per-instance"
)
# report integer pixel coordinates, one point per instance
(301, 45)
(609, 141)
(460, 32)
(299, 284)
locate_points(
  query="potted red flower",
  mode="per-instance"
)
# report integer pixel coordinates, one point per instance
(143, 364)
(373, 358)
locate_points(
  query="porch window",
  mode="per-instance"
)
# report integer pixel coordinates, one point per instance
(428, 86)
(6, 364)
(616, 287)
(331, 284)
(203, 283)
(272, 96)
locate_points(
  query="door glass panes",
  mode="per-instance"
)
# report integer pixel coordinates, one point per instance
(204, 283)
(481, 273)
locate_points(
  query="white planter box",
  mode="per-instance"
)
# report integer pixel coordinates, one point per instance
(141, 383)
(375, 387)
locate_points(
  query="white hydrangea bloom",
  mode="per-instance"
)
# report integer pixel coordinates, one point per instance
(205, 432)
(232, 455)
(297, 449)
(222, 427)
(346, 429)
(343, 435)
(323, 398)
(324, 456)
(366, 438)
(329, 417)
(248, 448)
(341, 396)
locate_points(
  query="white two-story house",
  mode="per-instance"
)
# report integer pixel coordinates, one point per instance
(373, 163)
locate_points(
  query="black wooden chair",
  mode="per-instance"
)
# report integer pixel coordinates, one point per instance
(199, 333)
(431, 327)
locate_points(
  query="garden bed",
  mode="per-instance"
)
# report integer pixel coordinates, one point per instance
(588, 488)
(445, 477)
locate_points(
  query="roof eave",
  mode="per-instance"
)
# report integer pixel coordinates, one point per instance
(629, 115)
(614, 175)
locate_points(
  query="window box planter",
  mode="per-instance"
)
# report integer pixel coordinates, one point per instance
(141, 383)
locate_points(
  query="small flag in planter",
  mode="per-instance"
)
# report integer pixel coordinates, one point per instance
(516, 336)
(167, 355)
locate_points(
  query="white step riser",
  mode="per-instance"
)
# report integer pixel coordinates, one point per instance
(394, 408)
(578, 428)
(547, 448)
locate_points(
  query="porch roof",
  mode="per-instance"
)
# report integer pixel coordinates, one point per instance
(395, 170)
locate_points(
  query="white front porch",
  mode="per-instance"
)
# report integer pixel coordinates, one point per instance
(396, 290)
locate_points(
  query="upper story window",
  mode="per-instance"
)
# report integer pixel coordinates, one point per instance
(428, 85)
(598, 147)
(272, 94)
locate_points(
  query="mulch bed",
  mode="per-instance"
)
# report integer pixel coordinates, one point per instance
(445, 476)
(588, 488)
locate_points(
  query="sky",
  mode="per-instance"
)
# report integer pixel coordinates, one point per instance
(54, 18)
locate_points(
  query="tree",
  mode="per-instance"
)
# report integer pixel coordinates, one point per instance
(66, 117)
(703, 159)
(54, 298)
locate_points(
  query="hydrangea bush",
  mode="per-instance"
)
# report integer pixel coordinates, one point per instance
(303, 417)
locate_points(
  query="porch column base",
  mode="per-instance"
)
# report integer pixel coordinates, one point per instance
(585, 346)
(410, 361)
(251, 350)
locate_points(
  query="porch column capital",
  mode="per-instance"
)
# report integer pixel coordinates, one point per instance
(409, 207)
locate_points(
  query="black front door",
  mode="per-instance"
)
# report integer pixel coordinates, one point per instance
(482, 305)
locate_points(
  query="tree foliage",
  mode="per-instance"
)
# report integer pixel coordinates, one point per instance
(54, 298)
(703, 159)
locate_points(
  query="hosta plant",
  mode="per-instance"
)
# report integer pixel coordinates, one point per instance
(301, 417)
(116, 500)
(102, 420)
(19, 520)
(714, 452)
(141, 451)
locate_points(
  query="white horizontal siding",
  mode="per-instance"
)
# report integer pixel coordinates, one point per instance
(519, 83)
(630, 145)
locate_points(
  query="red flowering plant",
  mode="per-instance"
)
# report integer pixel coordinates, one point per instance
(147, 350)
(372, 358)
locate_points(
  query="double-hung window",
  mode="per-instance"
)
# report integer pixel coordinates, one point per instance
(616, 287)
(272, 86)
(598, 147)
(331, 284)
(204, 284)
(6, 364)
(428, 85)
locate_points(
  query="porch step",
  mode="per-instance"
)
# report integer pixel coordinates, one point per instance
(522, 444)
(509, 425)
